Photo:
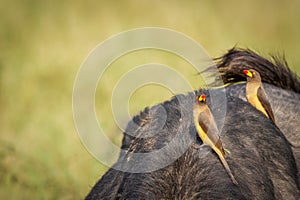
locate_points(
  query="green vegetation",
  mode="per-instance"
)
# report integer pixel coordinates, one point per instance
(43, 43)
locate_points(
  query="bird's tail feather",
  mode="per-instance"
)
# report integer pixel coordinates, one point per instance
(226, 166)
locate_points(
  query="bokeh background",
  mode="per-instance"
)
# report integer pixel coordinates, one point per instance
(42, 45)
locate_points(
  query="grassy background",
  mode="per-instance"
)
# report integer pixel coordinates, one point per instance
(43, 43)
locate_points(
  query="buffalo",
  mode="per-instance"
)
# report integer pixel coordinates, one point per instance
(264, 157)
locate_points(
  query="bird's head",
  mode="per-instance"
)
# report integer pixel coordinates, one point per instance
(251, 74)
(201, 98)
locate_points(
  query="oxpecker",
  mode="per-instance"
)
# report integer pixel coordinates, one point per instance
(208, 132)
(256, 94)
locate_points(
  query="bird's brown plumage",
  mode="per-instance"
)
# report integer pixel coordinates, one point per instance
(256, 94)
(208, 131)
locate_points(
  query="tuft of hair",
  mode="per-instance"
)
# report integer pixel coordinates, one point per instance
(274, 71)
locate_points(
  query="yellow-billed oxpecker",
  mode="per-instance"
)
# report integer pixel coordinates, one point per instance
(208, 131)
(256, 94)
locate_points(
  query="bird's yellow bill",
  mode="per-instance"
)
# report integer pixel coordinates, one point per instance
(202, 98)
(248, 73)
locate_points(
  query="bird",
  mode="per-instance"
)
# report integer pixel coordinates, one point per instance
(256, 94)
(208, 132)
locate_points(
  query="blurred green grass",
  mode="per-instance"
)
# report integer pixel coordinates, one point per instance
(43, 44)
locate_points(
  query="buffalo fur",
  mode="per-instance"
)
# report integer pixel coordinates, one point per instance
(274, 71)
(261, 159)
(281, 85)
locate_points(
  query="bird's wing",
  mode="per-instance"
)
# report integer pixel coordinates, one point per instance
(207, 123)
(265, 102)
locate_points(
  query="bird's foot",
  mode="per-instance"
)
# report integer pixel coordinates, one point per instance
(226, 151)
(196, 146)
